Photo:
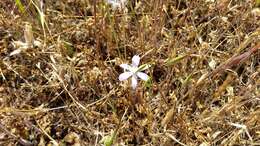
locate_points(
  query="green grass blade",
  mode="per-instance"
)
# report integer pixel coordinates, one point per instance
(171, 61)
(19, 5)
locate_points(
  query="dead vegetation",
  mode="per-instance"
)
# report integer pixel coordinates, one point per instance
(59, 68)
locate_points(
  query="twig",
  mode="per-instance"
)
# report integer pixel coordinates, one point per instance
(45, 133)
(173, 138)
(235, 60)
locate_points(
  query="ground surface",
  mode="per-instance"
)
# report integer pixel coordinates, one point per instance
(59, 68)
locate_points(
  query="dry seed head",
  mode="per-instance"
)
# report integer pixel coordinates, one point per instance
(28, 34)
(169, 115)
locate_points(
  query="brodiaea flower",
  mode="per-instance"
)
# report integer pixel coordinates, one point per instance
(134, 71)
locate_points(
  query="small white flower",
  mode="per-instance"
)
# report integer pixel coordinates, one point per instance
(134, 71)
(117, 3)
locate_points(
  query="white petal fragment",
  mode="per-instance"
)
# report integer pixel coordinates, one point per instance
(134, 81)
(117, 3)
(135, 61)
(143, 76)
(125, 66)
(17, 51)
(125, 75)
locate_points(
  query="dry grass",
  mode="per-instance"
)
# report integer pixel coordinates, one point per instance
(63, 87)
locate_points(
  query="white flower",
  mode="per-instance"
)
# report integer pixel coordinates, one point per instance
(134, 71)
(117, 3)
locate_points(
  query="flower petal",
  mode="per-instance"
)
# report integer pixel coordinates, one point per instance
(143, 76)
(125, 75)
(134, 81)
(135, 61)
(125, 66)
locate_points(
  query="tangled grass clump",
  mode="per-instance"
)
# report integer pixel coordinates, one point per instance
(60, 63)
